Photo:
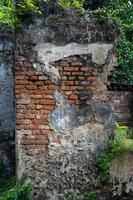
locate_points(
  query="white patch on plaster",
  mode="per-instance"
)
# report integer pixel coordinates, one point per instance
(48, 52)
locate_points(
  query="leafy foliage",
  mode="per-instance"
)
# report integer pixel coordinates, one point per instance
(11, 14)
(124, 50)
(90, 196)
(18, 192)
(9, 190)
(6, 184)
(120, 12)
(121, 143)
(72, 3)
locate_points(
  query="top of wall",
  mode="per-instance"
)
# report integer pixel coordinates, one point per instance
(61, 27)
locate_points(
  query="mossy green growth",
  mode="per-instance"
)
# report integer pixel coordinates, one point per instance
(120, 144)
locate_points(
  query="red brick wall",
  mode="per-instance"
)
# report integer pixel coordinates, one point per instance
(34, 97)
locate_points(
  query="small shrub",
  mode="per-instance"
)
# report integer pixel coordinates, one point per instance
(18, 192)
(120, 144)
(9, 190)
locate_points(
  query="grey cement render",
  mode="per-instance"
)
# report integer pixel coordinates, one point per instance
(7, 104)
(7, 85)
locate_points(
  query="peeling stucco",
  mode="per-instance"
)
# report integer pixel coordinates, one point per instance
(48, 52)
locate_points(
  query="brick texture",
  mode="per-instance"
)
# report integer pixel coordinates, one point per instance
(34, 97)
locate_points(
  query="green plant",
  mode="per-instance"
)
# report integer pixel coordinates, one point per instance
(78, 4)
(124, 50)
(6, 184)
(19, 192)
(73, 196)
(120, 12)
(11, 14)
(90, 196)
(120, 144)
(9, 190)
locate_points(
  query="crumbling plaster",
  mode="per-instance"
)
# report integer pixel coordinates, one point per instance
(48, 52)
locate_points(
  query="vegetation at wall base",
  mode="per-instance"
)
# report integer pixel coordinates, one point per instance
(18, 192)
(121, 143)
(9, 190)
(6, 184)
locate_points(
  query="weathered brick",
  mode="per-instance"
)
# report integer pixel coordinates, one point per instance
(47, 102)
(35, 101)
(73, 87)
(36, 96)
(65, 87)
(22, 77)
(39, 107)
(84, 69)
(73, 69)
(69, 82)
(31, 87)
(30, 106)
(30, 116)
(81, 77)
(38, 121)
(32, 77)
(18, 87)
(73, 97)
(36, 132)
(72, 77)
(20, 116)
(67, 73)
(77, 73)
(38, 83)
(42, 78)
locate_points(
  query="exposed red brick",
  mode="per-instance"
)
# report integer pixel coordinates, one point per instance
(36, 96)
(77, 73)
(47, 102)
(72, 69)
(69, 82)
(31, 87)
(84, 69)
(32, 77)
(66, 73)
(72, 97)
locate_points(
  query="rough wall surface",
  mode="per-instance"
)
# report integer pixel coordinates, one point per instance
(7, 109)
(61, 127)
(123, 107)
(64, 115)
